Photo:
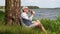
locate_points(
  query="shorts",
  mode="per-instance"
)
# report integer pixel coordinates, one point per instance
(31, 25)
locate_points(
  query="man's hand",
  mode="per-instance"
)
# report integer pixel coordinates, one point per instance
(32, 13)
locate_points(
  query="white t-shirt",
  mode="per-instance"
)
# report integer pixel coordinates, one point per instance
(25, 16)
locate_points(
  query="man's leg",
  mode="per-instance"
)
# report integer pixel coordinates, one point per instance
(41, 26)
(38, 24)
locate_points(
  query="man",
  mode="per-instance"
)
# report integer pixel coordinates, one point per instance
(27, 21)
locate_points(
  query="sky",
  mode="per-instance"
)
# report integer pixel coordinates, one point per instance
(39, 3)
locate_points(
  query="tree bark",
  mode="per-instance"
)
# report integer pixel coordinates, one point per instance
(13, 11)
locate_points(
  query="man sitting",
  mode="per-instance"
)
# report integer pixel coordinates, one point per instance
(27, 21)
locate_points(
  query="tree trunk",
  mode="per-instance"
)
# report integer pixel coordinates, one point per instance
(13, 11)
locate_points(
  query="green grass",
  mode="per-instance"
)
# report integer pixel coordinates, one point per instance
(52, 27)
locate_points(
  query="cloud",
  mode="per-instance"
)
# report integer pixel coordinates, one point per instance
(53, 0)
(48, 3)
(30, 2)
(2, 2)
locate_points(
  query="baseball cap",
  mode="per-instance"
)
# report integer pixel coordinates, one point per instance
(25, 7)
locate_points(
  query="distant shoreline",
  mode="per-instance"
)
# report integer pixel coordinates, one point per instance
(30, 7)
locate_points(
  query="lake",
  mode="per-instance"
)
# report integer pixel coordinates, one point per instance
(49, 13)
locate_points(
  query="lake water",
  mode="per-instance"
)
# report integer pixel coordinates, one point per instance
(46, 13)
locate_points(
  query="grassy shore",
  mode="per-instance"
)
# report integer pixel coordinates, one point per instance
(52, 27)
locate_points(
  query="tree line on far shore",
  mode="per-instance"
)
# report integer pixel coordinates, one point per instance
(31, 7)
